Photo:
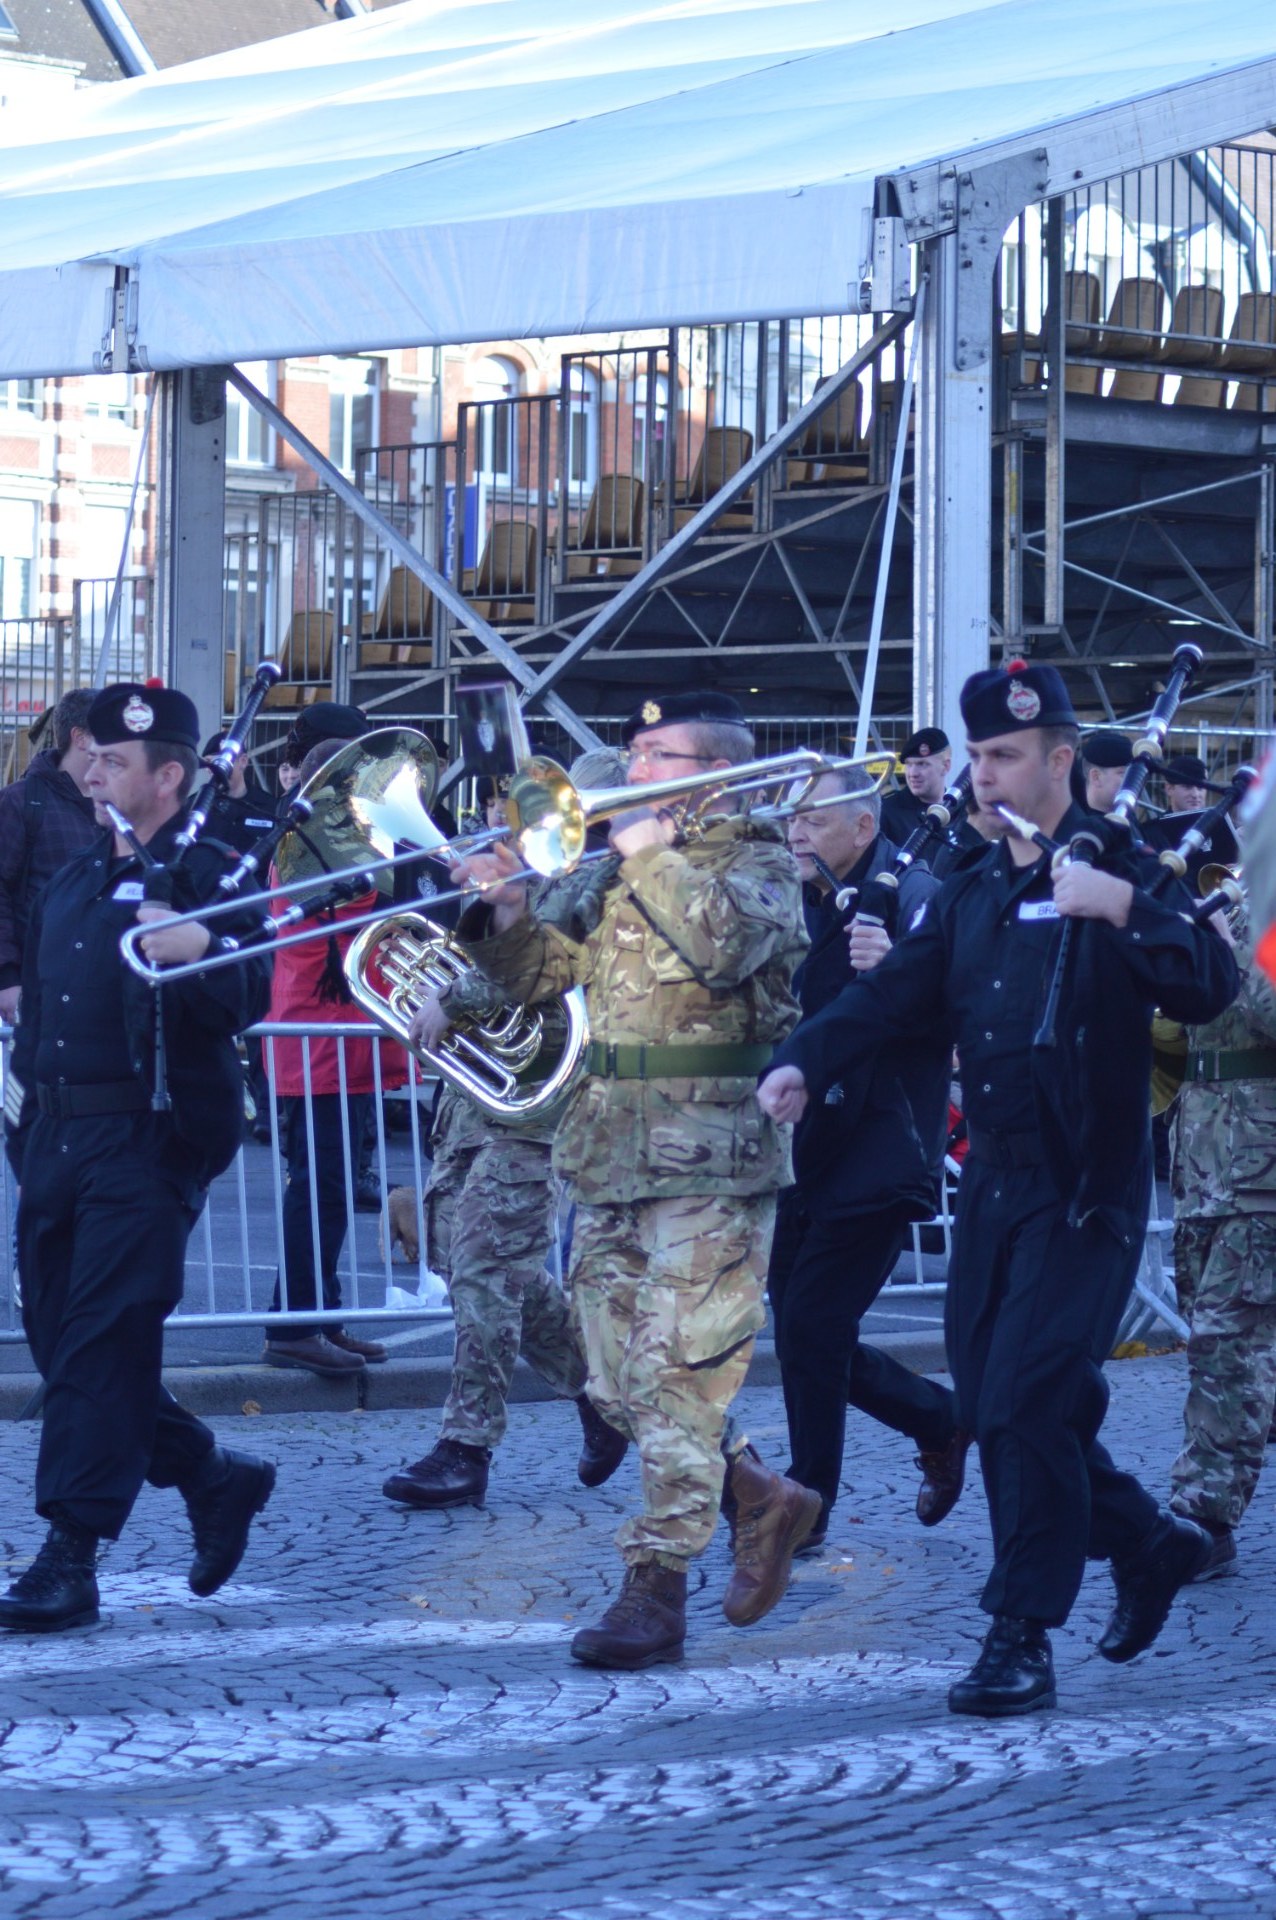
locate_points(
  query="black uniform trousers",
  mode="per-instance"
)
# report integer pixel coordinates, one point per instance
(1033, 1308)
(102, 1238)
(823, 1278)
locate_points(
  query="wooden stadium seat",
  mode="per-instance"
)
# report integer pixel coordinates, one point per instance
(1195, 332)
(1135, 322)
(305, 660)
(503, 585)
(833, 448)
(723, 452)
(609, 538)
(399, 632)
(1251, 344)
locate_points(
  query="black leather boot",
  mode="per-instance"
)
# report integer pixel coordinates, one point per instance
(59, 1588)
(1013, 1674)
(645, 1624)
(222, 1500)
(602, 1449)
(1171, 1553)
(453, 1475)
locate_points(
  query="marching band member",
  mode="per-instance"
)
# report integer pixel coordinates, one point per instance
(674, 1170)
(1053, 1200)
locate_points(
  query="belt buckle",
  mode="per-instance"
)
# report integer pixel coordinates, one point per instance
(609, 1064)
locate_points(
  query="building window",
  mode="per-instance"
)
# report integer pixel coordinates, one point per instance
(651, 404)
(19, 554)
(354, 388)
(109, 396)
(582, 427)
(6, 23)
(497, 380)
(250, 440)
(20, 396)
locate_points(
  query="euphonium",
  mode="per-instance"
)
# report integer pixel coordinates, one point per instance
(370, 797)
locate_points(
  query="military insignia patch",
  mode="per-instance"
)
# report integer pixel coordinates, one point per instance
(1023, 702)
(137, 716)
(651, 712)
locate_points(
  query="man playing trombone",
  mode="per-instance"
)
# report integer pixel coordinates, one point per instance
(675, 1171)
(1052, 1207)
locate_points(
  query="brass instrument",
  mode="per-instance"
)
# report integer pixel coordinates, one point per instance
(371, 796)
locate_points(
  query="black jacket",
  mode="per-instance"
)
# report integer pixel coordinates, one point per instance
(853, 1158)
(87, 1018)
(977, 971)
(44, 821)
(239, 821)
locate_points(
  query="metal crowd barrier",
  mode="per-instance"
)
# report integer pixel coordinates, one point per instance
(237, 1248)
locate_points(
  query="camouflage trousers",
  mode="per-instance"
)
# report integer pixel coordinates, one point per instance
(490, 1216)
(1225, 1273)
(667, 1296)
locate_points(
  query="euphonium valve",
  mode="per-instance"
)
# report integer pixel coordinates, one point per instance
(515, 1065)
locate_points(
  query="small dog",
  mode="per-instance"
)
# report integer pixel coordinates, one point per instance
(401, 1205)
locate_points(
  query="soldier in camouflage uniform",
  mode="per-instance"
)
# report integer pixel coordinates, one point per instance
(674, 1168)
(491, 1210)
(1224, 1174)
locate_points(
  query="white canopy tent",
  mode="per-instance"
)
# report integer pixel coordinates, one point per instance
(444, 172)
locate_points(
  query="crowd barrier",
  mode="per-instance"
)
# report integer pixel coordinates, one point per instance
(237, 1248)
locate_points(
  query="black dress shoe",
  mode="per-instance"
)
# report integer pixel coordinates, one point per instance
(1171, 1554)
(1013, 1674)
(602, 1448)
(943, 1477)
(223, 1500)
(59, 1588)
(367, 1194)
(453, 1475)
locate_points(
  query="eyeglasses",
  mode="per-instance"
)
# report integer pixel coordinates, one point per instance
(660, 757)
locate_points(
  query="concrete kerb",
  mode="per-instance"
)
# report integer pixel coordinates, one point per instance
(210, 1391)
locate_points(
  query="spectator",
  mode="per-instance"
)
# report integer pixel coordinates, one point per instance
(45, 817)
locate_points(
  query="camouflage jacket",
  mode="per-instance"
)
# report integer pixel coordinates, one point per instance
(574, 904)
(1225, 1130)
(694, 945)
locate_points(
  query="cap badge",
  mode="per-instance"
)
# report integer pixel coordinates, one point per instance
(651, 712)
(1024, 702)
(137, 716)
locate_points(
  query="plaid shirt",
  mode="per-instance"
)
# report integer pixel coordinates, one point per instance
(44, 820)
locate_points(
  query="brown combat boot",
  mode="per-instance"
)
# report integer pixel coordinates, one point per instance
(943, 1476)
(773, 1518)
(645, 1624)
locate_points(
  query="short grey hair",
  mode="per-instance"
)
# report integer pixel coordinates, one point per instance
(858, 797)
(599, 767)
(723, 740)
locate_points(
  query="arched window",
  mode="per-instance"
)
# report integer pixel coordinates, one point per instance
(582, 428)
(496, 380)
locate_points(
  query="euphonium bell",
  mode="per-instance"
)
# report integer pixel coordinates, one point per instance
(372, 795)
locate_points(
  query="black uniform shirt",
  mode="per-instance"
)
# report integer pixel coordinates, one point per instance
(82, 1038)
(239, 821)
(903, 813)
(976, 970)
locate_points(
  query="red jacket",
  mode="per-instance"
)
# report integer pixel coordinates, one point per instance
(294, 995)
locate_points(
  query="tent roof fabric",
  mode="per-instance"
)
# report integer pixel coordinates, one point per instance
(440, 172)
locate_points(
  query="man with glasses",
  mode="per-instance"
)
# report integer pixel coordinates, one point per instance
(674, 1169)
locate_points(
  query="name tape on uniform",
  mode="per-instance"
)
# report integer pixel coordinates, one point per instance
(129, 890)
(1038, 910)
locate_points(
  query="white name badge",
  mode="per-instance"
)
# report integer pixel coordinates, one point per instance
(259, 823)
(1038, 910)
(129, 890)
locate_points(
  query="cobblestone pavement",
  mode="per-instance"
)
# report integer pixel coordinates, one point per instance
(380, 1717)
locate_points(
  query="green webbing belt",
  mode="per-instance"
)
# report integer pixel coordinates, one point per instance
(1231, 1063)
(622, 1061)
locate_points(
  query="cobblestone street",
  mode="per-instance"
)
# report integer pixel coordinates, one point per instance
(379, 1716)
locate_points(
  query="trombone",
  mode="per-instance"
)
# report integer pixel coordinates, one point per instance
(375, 794)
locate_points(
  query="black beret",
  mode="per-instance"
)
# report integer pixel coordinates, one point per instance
(325, 720)
(1105, 747)
(677, 709)
(925, 741)
(131, 711)
(1004, 699)
(1185, 771)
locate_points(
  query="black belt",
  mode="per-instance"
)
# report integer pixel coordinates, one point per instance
(79, 1103)
(1006, 1150)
